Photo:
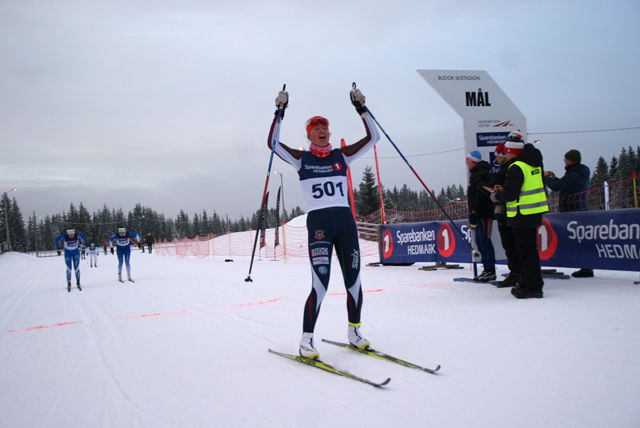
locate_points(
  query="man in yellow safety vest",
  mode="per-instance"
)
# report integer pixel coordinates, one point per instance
(524, 194)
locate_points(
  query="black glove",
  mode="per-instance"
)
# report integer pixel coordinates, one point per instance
(111, 250)
(357, 99)
(59, 252)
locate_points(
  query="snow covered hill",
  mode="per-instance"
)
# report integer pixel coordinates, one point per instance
(186, 346)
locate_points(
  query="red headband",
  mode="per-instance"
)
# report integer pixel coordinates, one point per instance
(316, 121)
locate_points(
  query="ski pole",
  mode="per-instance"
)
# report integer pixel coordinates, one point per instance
(417, 176)
(274, 140)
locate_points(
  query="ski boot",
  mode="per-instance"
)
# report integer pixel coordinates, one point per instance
(355, 338)
(307, 349)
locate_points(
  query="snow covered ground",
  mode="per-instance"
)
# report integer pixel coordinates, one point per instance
(186, 346)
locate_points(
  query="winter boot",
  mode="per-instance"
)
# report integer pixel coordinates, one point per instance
(355, 338)
(523, 293)
(583, 273)
(486, 276)
(307, 349)
(510, 281)
(478, 277)
(69, 285)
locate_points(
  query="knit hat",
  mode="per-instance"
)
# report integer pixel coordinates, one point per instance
(316, 121)
(499, 151)
(474, 156)
(573, 155)
(514, 143)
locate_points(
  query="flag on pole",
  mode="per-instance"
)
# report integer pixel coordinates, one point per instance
(349, 185)
(262, 223)
(277, 234)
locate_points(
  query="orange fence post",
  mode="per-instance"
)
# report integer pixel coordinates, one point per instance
(284, 243)
(635, 191)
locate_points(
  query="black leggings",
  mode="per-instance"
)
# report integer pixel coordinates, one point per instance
(329, 227)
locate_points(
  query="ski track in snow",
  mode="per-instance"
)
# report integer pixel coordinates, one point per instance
(186, 345)
(107, 339)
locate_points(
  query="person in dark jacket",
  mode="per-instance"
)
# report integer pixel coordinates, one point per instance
(573, 188)
(573, 185)
(500, 214)
(149, 241)
(525, 198)
(481, 213)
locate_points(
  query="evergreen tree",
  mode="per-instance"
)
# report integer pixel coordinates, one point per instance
(32, 233)
(600, 175)
(613, 170)
(18, 234)
(217, 227)
(626, 165)
(48, 234)
(5, 206)
(368, 200)
(196, 226)
(206, 224)
(182, 225)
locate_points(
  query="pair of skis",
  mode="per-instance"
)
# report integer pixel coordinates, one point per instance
(315, 362)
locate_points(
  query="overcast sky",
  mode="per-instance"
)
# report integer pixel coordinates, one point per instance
(169, 103)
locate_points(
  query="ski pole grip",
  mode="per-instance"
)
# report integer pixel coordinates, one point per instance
(284, 86)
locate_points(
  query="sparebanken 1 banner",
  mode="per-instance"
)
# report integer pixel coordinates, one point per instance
(585, 239)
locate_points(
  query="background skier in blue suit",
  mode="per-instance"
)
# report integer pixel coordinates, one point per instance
(123, 249)
(71, 253)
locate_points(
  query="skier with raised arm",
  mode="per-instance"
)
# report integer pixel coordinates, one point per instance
(322, 171)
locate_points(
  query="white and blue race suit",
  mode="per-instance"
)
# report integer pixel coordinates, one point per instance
(123, 248)
(71, 253)
(329, 219)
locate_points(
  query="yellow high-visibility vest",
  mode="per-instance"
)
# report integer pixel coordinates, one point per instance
(532, 199)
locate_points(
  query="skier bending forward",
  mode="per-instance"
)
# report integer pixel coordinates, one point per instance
(123, 249)
(72, 241)
(323, 177)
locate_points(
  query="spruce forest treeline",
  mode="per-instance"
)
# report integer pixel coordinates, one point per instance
(39, 232)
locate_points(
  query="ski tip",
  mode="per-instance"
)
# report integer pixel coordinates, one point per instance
(380, 385)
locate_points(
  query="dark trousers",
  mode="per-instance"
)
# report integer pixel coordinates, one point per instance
(526, 239)
(510, 248)
(328, 228)
(484, 244)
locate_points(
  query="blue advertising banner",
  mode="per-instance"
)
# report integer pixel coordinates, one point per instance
(586, 239)
(591, 239)
(433, 241)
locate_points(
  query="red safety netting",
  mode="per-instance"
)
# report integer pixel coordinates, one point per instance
(293, 235)
(292, 243)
